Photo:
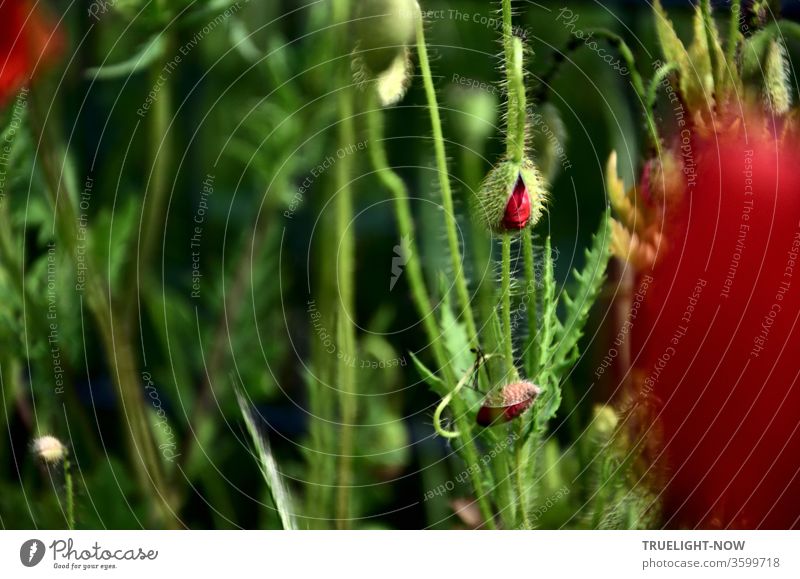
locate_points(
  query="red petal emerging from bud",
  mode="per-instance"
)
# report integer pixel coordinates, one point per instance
(518, 210)
(513, 400)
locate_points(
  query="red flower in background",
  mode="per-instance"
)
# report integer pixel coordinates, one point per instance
(27, 40)
(716, 347)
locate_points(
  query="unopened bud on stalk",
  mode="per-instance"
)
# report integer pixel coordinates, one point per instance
(384, 31)
(49, 449)
(511, 197)
(504, 406)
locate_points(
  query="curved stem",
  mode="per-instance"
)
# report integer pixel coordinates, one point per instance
(437, 415)
(627, 55)
(116, 340)
(419, 292)
(462, 289)
(659, 76)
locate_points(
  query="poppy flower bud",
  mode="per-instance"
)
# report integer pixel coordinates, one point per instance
(511, 197)
(384, 28)
(49, 449)
(504, 406)
(384, 31)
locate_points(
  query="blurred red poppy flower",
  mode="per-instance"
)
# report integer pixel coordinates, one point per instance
(27, 40)
(716, 346)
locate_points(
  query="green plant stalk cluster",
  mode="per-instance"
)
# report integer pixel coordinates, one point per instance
(419, 291)
(551, 346)
(116, 339)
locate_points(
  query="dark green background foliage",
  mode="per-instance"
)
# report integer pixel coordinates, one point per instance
(252, 103)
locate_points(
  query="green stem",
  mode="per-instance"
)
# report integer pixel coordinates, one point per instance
(116, 342)
(531, 352)
(652, 89)
(705, 6)
(514, 121)
(462, 289)
(515, 148)
(70, 495)
(419, 293)
(636, 79)
(480, 246)
(155, 198)
(517, 104)
(520, 468)
(345, 330)
(505, 292)
(627, 55)
(733, 32)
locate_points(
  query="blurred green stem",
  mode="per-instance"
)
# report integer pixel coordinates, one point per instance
(520, 470)
(462, 290)
(733, 32)
(710, 28)
(513, 68)
(70, 490)
(152, 222)
(345, 329)
(118, 349)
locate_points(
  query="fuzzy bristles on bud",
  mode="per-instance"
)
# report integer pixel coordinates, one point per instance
(511, 197)
(504, 406)
(777, 79)
(49, 449)
(605, 421)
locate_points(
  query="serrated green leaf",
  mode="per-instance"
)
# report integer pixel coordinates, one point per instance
(674, 51)
(455, 340)
(590, 282)
(432, 380)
